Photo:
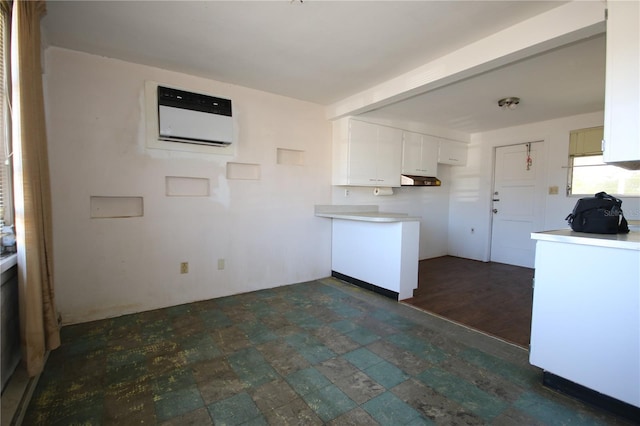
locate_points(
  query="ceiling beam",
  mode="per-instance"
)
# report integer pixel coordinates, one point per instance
(565, 24)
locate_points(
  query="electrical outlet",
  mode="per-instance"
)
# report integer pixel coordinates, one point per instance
(220, 264)
(347, 192)
(473, 230)
(184, 267)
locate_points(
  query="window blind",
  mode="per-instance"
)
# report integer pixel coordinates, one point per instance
(586, 142)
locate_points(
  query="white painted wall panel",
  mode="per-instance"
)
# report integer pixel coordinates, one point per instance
(265, 229)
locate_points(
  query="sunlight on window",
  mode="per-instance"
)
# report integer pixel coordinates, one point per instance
(591, 175)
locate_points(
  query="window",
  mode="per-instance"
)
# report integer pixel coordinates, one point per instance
(6, 204)
(588, 174)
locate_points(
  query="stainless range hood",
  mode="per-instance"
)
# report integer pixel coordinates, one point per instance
(411, 180)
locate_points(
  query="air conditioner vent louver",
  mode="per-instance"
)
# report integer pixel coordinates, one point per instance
(194, 118)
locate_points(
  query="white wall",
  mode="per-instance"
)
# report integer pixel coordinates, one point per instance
(264, 229)
(471, 186)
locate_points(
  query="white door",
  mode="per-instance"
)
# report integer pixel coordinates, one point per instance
(518, 203)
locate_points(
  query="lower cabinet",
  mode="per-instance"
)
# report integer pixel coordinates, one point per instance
(380, 254)
(585, 324)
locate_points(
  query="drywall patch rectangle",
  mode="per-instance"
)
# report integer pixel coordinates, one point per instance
(245, 171)
(291, 157)
(179, 186)
(116, 207)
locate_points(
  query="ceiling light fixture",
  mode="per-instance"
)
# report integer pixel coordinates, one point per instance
(509, 103)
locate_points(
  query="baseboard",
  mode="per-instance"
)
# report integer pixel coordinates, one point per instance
(590, 396)
(368, 286)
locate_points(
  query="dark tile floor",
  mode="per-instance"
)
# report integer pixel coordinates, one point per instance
(321, 352)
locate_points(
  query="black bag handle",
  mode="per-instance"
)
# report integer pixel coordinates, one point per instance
(604, 196)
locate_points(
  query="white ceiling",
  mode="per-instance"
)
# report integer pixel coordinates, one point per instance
(325, 51)
(563, 82)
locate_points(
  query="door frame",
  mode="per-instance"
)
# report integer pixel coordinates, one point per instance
(543, 154)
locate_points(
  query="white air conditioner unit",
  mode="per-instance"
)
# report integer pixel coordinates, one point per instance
(194, 118)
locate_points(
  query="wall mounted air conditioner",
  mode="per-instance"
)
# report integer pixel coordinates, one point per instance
(194, 118)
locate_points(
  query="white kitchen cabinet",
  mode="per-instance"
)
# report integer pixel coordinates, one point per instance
(419, 154)
(585, 324)
(387, 254)
(366, 154)
(452, 152)
(622, 83)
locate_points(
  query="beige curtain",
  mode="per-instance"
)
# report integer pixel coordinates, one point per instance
(38, 323)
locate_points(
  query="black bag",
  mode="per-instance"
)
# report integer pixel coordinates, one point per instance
(601, 214)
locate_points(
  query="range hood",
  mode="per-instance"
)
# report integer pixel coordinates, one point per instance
(411, 180)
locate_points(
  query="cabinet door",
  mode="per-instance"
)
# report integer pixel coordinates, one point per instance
(411, 153)
(429, 159)
(389, 156)
(419, 154)
(622, 85)
(451, 152)
(363, 156)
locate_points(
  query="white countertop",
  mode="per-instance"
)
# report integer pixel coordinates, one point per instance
(371, 216)
(630, 241)
(361, 213)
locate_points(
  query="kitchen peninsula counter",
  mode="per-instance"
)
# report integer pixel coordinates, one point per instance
(374, 250)
(365, 213)
(585, 327)
(630, 241)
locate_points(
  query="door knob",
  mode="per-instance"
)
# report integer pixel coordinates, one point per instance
(495, 210)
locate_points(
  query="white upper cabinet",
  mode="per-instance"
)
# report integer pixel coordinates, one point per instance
(622, 90)
(389, 156)
(452, 152)
(366, 154)
(419, 154)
